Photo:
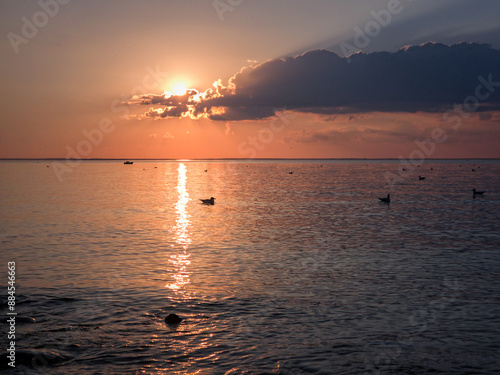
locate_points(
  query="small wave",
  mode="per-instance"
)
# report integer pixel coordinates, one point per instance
(35, 359)
(19, 319)
(62, 300)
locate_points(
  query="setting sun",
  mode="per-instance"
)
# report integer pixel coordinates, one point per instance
(178, 88)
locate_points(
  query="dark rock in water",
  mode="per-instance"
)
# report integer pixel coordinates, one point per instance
(173, 319)
(35, 359)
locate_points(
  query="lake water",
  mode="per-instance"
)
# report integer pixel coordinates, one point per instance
(303, 273)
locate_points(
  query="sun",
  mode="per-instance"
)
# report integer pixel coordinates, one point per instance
(178, 88)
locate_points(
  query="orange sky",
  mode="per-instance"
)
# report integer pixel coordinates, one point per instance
(63, 83)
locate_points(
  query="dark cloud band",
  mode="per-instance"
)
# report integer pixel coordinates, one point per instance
(428, 78)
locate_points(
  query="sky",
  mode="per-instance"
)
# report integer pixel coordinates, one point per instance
(196, 79)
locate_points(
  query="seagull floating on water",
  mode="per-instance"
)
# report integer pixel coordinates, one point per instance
(421, 177)
(290, 172)
(475, 192)
(210, 201)
(386, 200)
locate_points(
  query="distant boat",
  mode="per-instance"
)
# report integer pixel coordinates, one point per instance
(210, 201)
(387, 199)
(421, 177)
(128, 162)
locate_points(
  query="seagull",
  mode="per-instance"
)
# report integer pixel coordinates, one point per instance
(290, 172)
(210, 201)
(473, 170)
(386, 200)
(206, 170)
(475, 192)
(421, 177)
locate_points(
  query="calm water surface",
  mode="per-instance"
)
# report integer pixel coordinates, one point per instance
(303, 273)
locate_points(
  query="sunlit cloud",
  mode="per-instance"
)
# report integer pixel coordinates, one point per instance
(428, 78)
(229, 129)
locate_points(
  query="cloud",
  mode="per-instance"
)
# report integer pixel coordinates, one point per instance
(165, 99)
(229, 129)
(175, 105)
(340, 136)
(428, 78)
(485, 116)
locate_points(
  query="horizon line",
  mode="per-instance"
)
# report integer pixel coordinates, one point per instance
(242, 159)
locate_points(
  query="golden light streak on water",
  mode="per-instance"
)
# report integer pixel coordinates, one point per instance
(181, 260)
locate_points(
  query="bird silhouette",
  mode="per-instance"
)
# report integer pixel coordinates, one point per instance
(387, 199)
(210, 201)
(477, 193)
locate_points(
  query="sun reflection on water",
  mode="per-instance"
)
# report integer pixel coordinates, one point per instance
(181, 260)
